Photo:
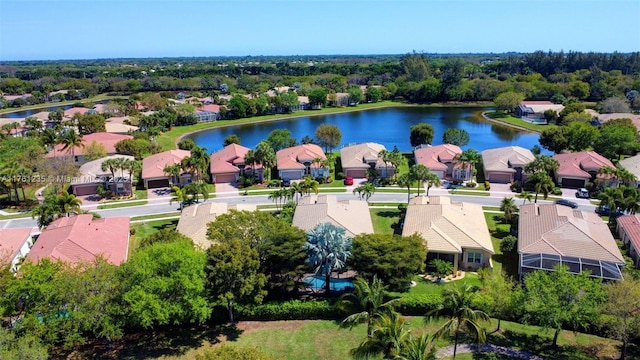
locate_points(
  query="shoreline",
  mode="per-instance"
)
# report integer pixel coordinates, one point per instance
(521, 128)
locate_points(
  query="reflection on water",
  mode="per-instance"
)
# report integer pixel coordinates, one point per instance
(388, 126)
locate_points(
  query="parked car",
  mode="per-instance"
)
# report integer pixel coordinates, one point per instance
(582, 193)
(348, 180)
(568, 203)
(286, 182)
(604, 210)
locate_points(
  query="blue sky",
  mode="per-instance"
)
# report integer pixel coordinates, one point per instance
(87, 29)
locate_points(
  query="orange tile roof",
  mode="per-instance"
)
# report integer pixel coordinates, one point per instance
(293, 157)
(228, 159)
(435, 157)
(81, 239)
(580, 163)
(109, 141)
(153, 166)
(631, 226)
(11, 240)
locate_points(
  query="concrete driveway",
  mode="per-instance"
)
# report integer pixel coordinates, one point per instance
(226, 190)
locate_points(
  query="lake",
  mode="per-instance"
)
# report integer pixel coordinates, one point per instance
(388, 126)
(20, 114)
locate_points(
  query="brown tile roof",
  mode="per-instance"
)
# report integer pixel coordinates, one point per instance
(11, 240)
(75, 110)
(631, 225)
(228, 159)
(81, 239)
(559, 230)
(153, 166)
(351, 215)
(107, 139)
(194, 219)
(632, 165)
(448, 227)
(292, 158)
(435, 157)
(210, 107)
(580, 163)
(504, 159)
(358, 156)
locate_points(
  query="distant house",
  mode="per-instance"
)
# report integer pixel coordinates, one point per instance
(15, 244)
(79, 239)
(632, 165)
(116, 125)
(628, 230)
(550, 234)
(108, 140)
(441, 160)
(577, 169)
(194, 219)
(456, 232)
(210, 112)
(296, 162)
(153, 166)
(227, 165)
(506, 164)
(68, 114)
(91, 176)
(533, 111)
(357, 159)
(351, 215)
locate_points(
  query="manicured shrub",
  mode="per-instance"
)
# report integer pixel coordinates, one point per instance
(508, 244)
(418, 304)
(471, 184)
(487, 185)
(289, 310)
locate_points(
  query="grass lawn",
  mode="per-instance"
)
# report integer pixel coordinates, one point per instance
(147, 228)
(334, 183)
(385, 221)
(155, 216)
(469, 192)
(167, 140)
(515, 121)
(498, 230)
(122, 204)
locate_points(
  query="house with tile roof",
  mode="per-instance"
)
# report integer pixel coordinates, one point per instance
(357, 159)
(628, 229)
(194, 219)
(550, 234)
(15, 244)
(80, 239)
(108, 140)
(506, 164)
(91, 176)
(68, 114)
(294, 163)
(441, 160)
(632, 165)
(153, 166)
(227, 165)
(579, 168)
(208, 112)
(456, 232)
(351, 215)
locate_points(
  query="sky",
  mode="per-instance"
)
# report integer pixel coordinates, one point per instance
(89, 29)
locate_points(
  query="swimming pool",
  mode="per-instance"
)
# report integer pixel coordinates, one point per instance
(317, 282)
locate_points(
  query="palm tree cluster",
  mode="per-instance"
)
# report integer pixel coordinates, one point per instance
(539, 175)
(122, 164)
(620, 199)
(14, 175)
(56, 206)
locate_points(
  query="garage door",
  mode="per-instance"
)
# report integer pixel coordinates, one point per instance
(572, 183)
(499, 178)
(291, 175)
(154, 184)
(225, 178)
(356, 173)
(82, 190)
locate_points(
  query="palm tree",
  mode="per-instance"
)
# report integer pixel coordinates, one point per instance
(419, 172)
(195, 189)
(469, 159)
(526, 196)
(405, 180)
(389, 337)
(71, 140)
(179, 195)
(432, 180)
(200, 160)
(542, 163)
(49, 138)
(131, 166)
(365, 191)
(385, 156)
(45, 213)
(309, 184)
(368, 299)
(611, 198)
(457, 307)
(419, 348)
(173, 171)
(296, 189)
(112, 166)
(509, 207)
(327, 249)
(264, 154)
(631, 200)
(277, 196)
(250, 159)
(542, 183)
(67, 203)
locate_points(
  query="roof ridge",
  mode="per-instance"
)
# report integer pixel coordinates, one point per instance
(591, 237)
(444, 235)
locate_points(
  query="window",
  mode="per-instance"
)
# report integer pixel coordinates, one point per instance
(474, 258)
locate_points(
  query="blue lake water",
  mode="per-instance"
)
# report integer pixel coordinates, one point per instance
(387, 126)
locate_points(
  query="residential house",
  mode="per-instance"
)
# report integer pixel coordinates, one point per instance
(603, 118)
(194, 219)
(632, 165)
(108, 140)
(15, 244)
(68, 114)
(92, 176)
(153, 166)
(506, 164)
(296, 162)
(550, 234)
(80, 239)
(628, 230)
(579, 168)
(441, 160)
(117, 125)
(227, 165)
(456, 232)
(210, 112)
(351, 215)
(533, 111)
(357, 159)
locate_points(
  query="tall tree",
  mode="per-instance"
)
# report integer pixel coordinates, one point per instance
(70, 141)
(505, 295)
(623, 305)
(455, 136)
(469, 159)
(421, 134)
(68, 203)
(460, 313)
(265, 155)
(405, 180)
(542, 183)
(328, 136)
(419, 172)
(365, 191)
(367, 302)
(431, 179)
(508, 101)
(327, 248)
(509, 209)
(389, 336)
(280, 139)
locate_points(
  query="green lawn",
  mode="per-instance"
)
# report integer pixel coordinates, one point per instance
(147, 228)
(469, 192)
(155, 216)
(122, 204)
(512, 120)
(498, 230)
(385, 221)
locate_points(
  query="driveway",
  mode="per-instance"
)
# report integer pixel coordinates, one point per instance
(226, 190)
(158, 193)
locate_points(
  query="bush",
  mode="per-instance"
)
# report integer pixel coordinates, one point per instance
(340, 176)
(471, 184)
(508, 244)
(418, 304)
(557, 191)
(289, 310)
(487, 185)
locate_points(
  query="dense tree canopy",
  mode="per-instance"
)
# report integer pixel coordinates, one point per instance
(421, 134)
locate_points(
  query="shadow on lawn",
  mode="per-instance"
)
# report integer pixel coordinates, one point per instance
(153, 344)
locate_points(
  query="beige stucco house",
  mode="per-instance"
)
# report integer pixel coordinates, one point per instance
(357, 159)
(351, 215)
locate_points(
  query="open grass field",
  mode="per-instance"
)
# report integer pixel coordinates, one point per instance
(385, 221)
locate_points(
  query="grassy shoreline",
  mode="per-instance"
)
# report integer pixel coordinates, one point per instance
(44, 106)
